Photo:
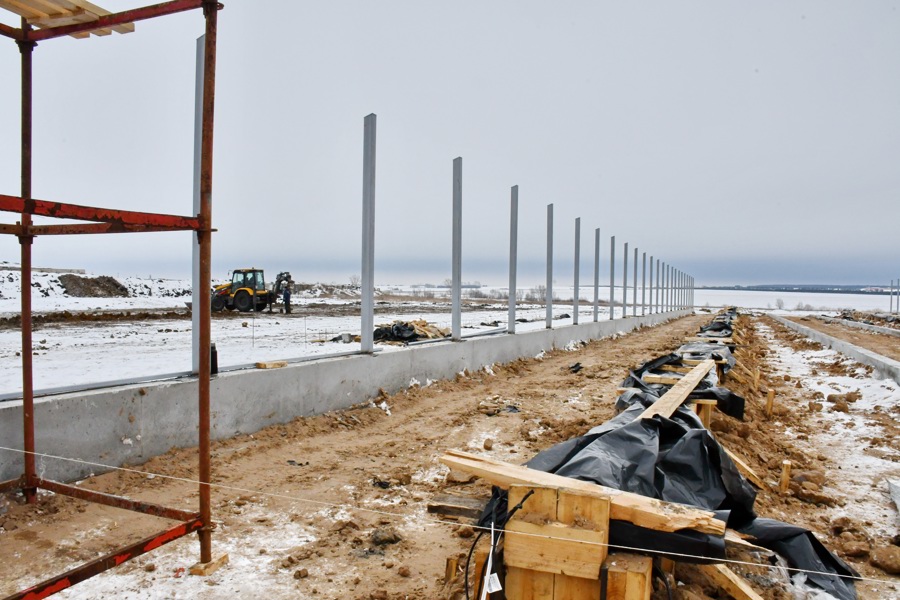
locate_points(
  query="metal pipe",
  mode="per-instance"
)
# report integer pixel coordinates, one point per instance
(196, 290)
(612, 277)
(25, 242)
(644, 284)
(596, 274)
(210, 11)
(549, 290)
(658, 271)
(577, 269)
(367, 278)
(456, 258)
(513, 255)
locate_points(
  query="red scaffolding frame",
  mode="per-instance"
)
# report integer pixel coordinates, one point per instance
(79, 23)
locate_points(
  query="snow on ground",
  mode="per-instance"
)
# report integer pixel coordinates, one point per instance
(849, 439)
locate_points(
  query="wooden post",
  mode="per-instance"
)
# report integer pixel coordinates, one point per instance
(770, 403)
(785, 483)
(480, 559)
(756, 380)
(629, 577)
(450, 568)
(704, 409)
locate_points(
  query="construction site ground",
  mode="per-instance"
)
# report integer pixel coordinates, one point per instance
(334, 506)
(880, 343)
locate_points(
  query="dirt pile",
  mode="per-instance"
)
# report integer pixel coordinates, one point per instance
(92, 287)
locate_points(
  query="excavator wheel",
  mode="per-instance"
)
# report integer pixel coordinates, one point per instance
(218, 303)
(243, 301)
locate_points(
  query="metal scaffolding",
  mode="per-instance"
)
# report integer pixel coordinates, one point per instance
(70, 19)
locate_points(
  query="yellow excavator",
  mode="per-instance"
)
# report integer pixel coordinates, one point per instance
(247, 291)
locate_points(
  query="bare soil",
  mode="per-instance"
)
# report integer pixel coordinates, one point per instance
(354, 478)
(885, 345)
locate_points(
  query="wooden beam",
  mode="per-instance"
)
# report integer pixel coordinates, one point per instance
(453, 505)
(629, 576)
(671, 400)
(745, 469)
(704, 409)
(734, 585)
(624, 506)
(674, 369)
(699, 361)
(661, 379)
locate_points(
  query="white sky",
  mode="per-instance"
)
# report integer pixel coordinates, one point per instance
(743, 142)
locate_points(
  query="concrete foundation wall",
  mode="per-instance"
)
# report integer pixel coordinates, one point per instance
(884, 366)
(131, 424)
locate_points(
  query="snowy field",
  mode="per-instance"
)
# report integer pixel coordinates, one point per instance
(79, 353)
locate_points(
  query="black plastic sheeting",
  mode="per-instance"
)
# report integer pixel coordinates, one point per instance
(726, 401)
(398, 332)
(677, 460)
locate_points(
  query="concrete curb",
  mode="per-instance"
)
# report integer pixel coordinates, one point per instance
(866, 326)
(885, 366)
(133, 423)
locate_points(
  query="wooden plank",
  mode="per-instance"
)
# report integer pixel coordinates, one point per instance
(525, 583)
(629, 576)
(704, 409)
(745, 469)
(93, 8)
(452, 505)
(204, 569)
(661, 379)
(674, 369)
(698, 361)
(21, 9)
(734, 585)
(539, 541)
(274, 364)
(572, 509)
(671, 400)
(624, 506)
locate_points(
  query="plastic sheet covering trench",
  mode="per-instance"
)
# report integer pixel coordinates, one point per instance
(677, 460)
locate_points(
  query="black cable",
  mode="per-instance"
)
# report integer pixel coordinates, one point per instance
(661, 575)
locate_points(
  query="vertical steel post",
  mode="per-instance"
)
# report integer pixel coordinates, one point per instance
(644, 284)
(196, 290)
(625, 282)
(549, 290)
(634, 289)
(577, 270)
(658, 280)
(650, 295)
(596, 274)
(210, 11)
(612, 277)
(513, 251)
(25, 241)
(367, 279)
(456, 289)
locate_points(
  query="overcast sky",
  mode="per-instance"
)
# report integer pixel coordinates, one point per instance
(744, 142)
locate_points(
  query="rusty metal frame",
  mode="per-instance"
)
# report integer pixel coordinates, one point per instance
(102, 220)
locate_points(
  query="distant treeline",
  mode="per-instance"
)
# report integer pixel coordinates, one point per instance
(875, 290)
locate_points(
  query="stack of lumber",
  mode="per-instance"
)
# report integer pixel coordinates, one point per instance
(56, 13)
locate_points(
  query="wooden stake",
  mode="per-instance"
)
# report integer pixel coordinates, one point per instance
(770, 403)
(756, 380)
(450, 568)
(785, 483)
(704, 409)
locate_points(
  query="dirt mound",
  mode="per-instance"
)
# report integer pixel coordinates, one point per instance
(92, 287)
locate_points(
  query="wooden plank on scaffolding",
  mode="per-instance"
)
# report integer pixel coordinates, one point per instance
(671, 400)
(734, 585)
(624, 506)
(629, 576)
(523, 582)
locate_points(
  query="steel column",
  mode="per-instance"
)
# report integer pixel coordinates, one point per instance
(612, 277)
(196, 290)
(367, 279)
(25, 241)
(634, 289)
(577, 269)
(625, 282)
(644, 285)
(549, 286)
(658, 279)
(210, 11)
(596, 274)
(456, 259)
(513, 255)
(650, 295)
